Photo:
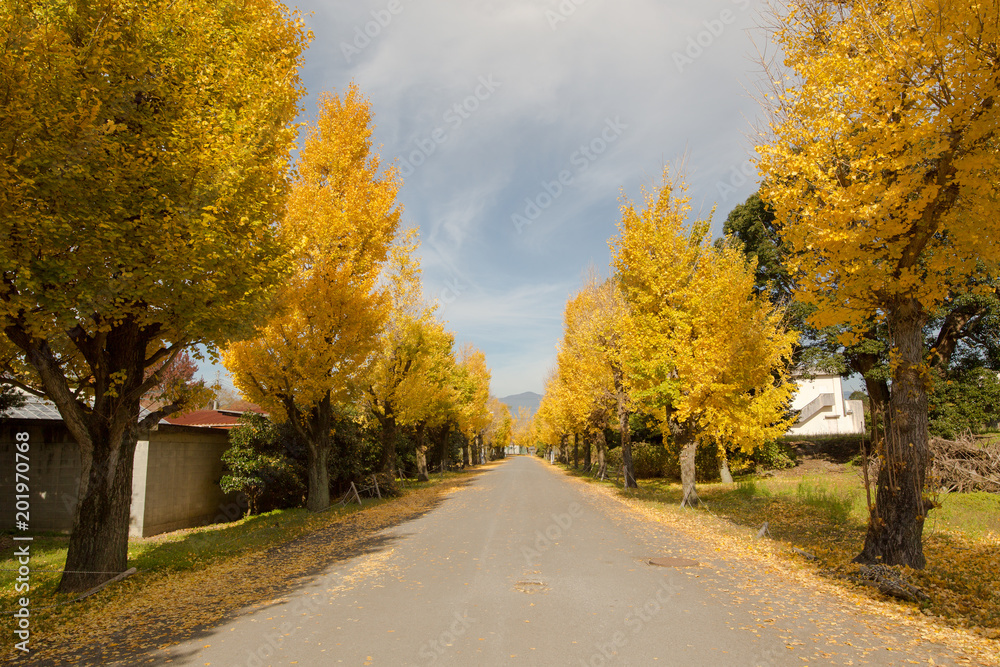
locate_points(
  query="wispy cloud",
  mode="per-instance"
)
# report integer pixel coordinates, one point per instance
(559, 80)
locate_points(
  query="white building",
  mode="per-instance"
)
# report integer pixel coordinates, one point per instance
(822, 408)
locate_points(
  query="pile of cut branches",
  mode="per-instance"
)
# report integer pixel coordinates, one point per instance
(966, 464)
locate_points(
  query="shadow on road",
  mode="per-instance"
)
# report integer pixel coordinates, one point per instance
(184, 607)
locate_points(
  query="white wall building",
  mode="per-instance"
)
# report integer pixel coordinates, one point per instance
(823, 410)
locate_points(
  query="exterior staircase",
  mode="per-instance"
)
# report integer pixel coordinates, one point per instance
(814, 406)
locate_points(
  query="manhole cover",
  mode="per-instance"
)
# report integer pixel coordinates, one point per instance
(673, 561)
(531, 586)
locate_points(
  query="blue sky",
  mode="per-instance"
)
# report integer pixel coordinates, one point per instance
(518, 123)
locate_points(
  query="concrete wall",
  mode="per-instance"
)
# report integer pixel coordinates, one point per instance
(175, 477)
(181, 469)
(54, 474)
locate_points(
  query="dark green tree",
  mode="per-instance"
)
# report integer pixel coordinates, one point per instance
(963, 401)
(259, 465)
(9, 398)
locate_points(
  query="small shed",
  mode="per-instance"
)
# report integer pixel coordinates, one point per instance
(175, 475)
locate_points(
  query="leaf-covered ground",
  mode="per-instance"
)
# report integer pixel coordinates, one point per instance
(138, 620)
(824, 513)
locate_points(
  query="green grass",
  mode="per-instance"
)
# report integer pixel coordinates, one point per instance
(176, 551)
(837, 507)
(747, 489)
(974, 514)
(841, 496)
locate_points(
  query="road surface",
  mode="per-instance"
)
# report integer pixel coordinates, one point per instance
(527, 566)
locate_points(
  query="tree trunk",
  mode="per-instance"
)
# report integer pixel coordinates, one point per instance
(689, 448)
(445, 432)
(896, 525)
(98, 545)
(388, 422)
(466, 456)
(727, 477)
(586, 455)
(319, 478)
(106, 435)
(602, 463)
(628, 469)
(878, 393)
(576, 451)
(878, 406)
(422, 475)
(690, 494)
(318, 447)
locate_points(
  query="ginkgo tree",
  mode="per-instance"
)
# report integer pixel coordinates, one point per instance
(474, 415)
(428, 396)
(550, 423)
(143, 155)
(881, 165)
(590, 362)
(310, 357)
(706, 353)
(403, 347)
(499, 431)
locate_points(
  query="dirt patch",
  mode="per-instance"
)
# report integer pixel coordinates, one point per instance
(810, 465)
(836, 449)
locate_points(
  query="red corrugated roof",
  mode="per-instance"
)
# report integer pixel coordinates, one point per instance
(212, 418)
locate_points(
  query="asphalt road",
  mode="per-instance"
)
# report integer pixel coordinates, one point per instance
(526, 566)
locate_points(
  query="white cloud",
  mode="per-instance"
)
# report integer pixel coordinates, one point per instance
(556, 89)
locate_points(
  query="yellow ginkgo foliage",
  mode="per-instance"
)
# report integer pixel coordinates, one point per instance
(882, 167)
(474, 415)
(427, 397)
(143, 169)
(590, 366)
(407, 350)
(705, 353)
(311, 355)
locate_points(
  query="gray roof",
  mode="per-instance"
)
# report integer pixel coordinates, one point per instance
(35, 408)
(43, 409)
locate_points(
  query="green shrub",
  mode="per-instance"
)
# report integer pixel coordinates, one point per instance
(258, 465)
(649, 459)
(773, 456)
(613, 461)
(963, 400)
(652, 460)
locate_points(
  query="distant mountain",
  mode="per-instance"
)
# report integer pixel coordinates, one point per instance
(528, 399)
